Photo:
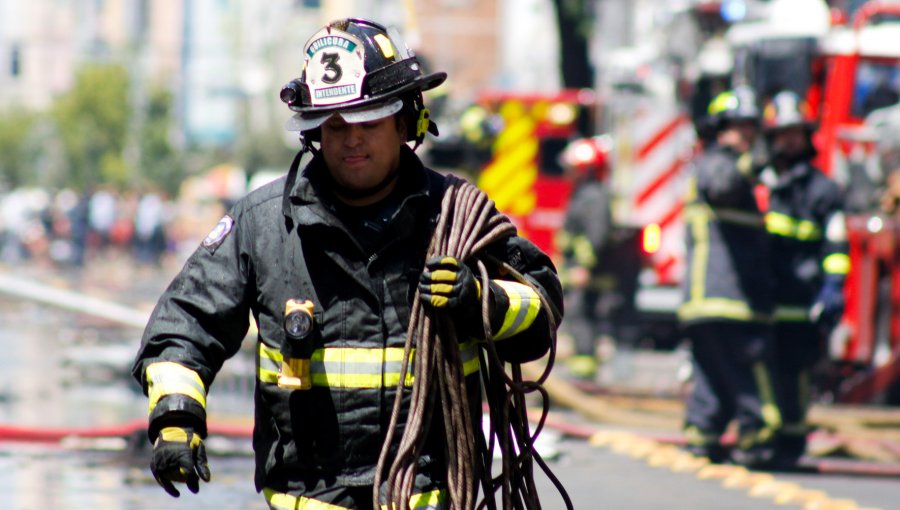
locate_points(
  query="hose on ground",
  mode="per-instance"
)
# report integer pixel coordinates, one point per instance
(468, 223)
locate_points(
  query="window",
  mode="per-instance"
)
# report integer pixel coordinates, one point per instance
(15, 61)
(877, 85)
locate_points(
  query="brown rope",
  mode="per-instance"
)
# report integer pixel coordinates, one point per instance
(468, 222)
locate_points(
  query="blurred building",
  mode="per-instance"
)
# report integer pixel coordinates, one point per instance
(226, 60)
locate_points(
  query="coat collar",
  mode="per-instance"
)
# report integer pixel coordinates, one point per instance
(308, 199)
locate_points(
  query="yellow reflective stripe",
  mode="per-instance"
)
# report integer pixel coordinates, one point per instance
(524, 305)
(700, 230)
(347, 367)
(269, 363)
(721, 308)
(359, 367)
(836, 263)
(468, 355)
(771, 414)
(583, 252)
(282, 501)
(792, 313)
(696, 437)
(432, 500)
(783, 225)
(743, 218)
(562, 240)
(168, 378)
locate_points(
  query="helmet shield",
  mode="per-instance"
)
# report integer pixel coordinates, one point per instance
(300, 122)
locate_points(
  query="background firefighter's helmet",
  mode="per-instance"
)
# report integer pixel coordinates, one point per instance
(588, 157)
(736, 105)
(363, 71)
(785, 110)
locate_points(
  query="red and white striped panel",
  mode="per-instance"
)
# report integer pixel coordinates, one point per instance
(663, 144)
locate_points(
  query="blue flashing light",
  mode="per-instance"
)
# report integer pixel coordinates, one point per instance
(733, 10)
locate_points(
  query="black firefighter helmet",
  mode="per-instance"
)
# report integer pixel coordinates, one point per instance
(362, 71)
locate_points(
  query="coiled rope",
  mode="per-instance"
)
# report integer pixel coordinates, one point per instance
(468, 223)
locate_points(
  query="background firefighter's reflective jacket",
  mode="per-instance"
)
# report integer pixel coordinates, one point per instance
(809, 237)
(251, 264)
(728, 272)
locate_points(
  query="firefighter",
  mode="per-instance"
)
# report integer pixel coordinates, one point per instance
(727, 295)
(809, 241)
(328, 261)
(599, 261)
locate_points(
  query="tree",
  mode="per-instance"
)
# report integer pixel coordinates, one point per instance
(16, 160)
(574, 20)
(92, 121)
(160, 164)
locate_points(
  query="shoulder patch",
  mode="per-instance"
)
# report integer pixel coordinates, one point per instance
(219, 232)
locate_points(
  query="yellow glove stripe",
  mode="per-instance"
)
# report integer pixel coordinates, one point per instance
(179, 435)
(441, 288)
(439, 301)
(444, 275)
(450, 260)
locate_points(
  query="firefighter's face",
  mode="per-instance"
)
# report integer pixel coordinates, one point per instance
(361, 156)
(789, 142)
(739, 135)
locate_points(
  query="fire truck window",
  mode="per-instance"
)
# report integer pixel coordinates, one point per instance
(771, 66)
(877, 86)
(548, 155)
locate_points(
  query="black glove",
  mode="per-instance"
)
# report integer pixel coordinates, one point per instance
(179, 456)
(446, 283)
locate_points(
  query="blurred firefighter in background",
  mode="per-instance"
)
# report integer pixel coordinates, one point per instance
(809, 241)
(727, 292)
(599, 266)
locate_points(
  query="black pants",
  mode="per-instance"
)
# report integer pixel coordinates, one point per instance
(798, 347)
(732, 381)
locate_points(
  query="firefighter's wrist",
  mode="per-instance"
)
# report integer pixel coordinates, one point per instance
(177, 411)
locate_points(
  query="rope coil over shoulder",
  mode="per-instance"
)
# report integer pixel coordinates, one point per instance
(468, 223)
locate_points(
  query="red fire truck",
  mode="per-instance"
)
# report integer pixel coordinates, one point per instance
(524, 175)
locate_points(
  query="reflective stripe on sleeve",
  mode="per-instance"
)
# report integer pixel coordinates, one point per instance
(786, 226)
(348, 367)
(168, 378)
(836, 263)
(524, 305)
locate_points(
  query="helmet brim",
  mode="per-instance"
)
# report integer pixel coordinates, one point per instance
(307, 121)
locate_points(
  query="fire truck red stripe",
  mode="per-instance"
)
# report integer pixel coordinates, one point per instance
(661, 135)
(672, 215)
(659, 182)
